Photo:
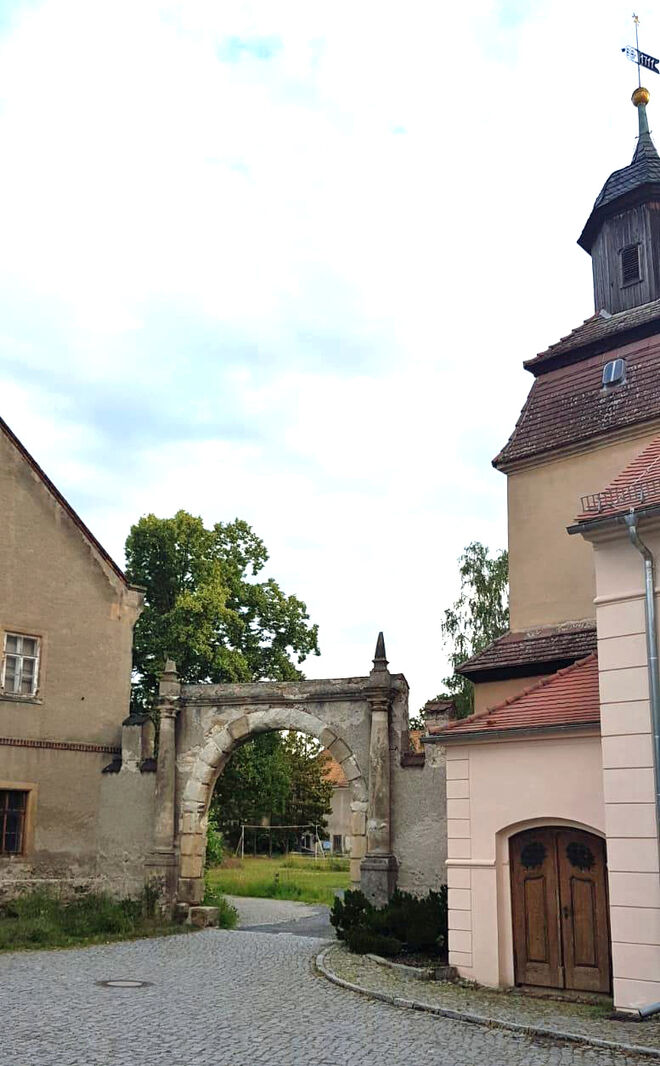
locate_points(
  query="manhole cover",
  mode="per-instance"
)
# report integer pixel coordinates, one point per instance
(123, 982)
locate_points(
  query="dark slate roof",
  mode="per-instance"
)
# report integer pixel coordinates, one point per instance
(531, 652)
(568, 404)
(639, 180)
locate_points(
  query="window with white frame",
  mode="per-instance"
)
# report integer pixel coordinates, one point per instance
(20, 665)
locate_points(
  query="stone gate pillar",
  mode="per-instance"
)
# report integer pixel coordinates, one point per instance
(162, 863)
(378, 872)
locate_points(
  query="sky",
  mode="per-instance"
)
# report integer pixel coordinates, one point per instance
(282, 261)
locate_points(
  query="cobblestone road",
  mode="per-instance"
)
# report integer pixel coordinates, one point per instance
(231, 999)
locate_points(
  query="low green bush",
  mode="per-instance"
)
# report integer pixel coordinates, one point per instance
(364, 942)
(415, 924)
(227, 915)
(42, 918)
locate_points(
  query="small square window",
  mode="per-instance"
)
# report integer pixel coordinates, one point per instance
(20, 665)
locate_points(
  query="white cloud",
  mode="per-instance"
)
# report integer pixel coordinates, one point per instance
(344, 250)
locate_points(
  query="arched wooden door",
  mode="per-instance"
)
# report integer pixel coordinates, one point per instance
(560, 915)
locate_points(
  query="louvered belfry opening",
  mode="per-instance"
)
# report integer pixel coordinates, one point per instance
(630, 264)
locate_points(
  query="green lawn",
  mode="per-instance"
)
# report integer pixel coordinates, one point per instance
(304, 879)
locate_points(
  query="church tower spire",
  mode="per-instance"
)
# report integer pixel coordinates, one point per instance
(622, 233)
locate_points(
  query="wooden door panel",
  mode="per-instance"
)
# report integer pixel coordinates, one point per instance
(584, 914)
(583, 903)
(536, 925)
(535, 903)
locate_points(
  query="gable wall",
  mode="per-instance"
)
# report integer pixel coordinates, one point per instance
(53, 585)
(551, 574)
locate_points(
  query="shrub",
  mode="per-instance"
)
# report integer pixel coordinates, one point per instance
(227, 915)
(413, 923)
(353, 911)
(364, 942)
(215, 845)
(43, 919)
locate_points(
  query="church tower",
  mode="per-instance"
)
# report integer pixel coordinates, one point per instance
(622, 233)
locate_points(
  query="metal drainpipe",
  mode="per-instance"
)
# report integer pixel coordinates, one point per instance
(654, 676)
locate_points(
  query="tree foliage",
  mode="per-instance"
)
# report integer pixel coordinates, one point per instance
(205, 608)
(478, 617)
(275, 779)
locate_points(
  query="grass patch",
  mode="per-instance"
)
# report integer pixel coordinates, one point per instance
(293, 877)
(42, 919)
(227, 915)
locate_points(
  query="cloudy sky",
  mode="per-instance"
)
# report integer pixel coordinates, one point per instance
(282, 260)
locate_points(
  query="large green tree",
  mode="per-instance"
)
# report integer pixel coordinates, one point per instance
(206, 608)
(478, 617)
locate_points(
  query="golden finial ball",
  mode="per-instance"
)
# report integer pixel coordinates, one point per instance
(641, 96)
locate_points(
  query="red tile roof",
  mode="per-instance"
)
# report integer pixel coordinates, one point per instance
(333, 771)
(569, 697)
(568, 404)
(64, 504)
(415, 742)
(516, 654)
(636, 486)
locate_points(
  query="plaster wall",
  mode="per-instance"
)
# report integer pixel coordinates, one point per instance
(488, 694)
(551, 575)
(494, 790)
(124, 836)
(627, 757)
(339, 819)
(65, 793)
(59, 589)
(54, 584)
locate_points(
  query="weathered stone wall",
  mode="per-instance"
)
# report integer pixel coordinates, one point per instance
(419, 808)
(125, 830)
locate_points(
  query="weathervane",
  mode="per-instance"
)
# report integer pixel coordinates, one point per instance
(640, 58)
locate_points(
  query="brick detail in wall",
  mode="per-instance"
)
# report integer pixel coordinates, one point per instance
(59, 745)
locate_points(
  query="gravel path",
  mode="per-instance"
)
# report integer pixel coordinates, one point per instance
(253, 911)
(232, 999)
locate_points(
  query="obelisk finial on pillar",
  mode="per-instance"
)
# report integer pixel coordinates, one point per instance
(380, 659)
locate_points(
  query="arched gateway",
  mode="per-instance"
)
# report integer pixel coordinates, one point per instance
(201, 725)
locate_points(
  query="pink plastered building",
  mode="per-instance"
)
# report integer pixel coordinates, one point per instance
(553, 783)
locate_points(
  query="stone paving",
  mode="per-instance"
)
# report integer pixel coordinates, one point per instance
(233, 999)
(588, 1020)
(283, 916)
(253, 911)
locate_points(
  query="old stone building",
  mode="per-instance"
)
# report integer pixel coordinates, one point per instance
(66, 624)
(552, 785)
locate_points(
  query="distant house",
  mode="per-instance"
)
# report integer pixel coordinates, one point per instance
(553, 798)
(339, 819)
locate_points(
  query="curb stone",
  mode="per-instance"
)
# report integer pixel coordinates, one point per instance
(479, 1019)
